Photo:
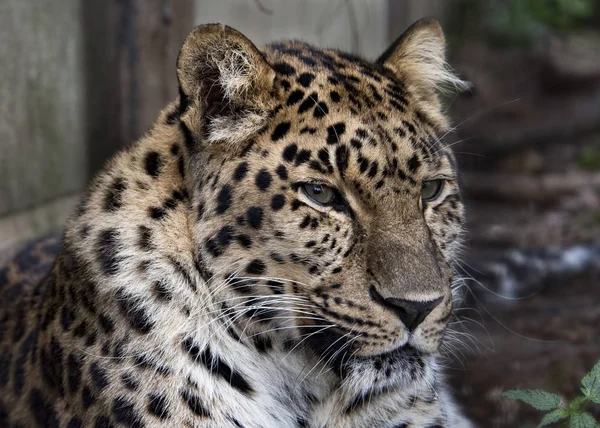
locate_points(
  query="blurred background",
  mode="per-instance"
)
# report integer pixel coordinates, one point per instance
(80, 80)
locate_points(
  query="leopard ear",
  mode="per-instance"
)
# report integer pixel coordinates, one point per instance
(418, 57)
(224, 85)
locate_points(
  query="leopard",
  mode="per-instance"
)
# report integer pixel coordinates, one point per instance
(278, 250)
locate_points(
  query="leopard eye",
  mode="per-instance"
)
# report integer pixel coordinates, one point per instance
(319, 193)
(431, 189)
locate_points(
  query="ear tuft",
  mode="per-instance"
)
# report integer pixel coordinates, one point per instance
(419, 57)
(224, 84)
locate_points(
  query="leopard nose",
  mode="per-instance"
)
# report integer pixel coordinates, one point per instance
(411, 312)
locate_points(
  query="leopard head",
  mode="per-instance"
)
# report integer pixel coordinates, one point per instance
(326, 203)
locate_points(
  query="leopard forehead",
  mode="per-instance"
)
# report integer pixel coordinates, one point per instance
(338, 111)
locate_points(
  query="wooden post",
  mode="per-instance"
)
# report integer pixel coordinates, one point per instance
(130, 52)
(42, 138)
(403, 13)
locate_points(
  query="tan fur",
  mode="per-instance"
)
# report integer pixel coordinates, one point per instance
(199, 285)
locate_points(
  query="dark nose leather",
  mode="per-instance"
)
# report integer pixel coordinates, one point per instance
(411, 312)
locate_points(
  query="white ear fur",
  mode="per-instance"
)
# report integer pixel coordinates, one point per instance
(419, 56)
(224, 85)
(234, 129)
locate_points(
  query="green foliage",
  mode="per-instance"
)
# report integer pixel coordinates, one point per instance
(537, 398)
(589, 158)
(590, 384)
(573, 413)
(560, 14)
(556, 415)
(520, 22)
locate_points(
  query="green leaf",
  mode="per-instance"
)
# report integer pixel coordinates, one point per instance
(582, 420)
(536, 398)
(590, 384)
(576, 403)
(554, 416)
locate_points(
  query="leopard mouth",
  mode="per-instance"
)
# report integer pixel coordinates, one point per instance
(339, 352)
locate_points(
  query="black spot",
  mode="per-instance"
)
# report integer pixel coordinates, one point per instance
(297, 204)
(413, 163)
(74, 373)
(224, 199)
(158, 405)
(156, 213)
(263, 179)
(106, 323)
(106, 251)
(363, 164)
(262, 343)
(67, 318)
(283, 68)
(27, 346)
(240, 171)
(144, 238)
(130, 382)
(114, 195)
(255, 217)
(256, 267)
(277, 257)
(87, 397)
(103, 422)
(373, 171)
(305, 222)
(225, 235)
(362, 134)
(153, 164)
(218, 367)
(43, 412)
(213, 248)
(305, 79)
(277, 202)
(321, 110)
(276, 287)
(244, 241)
(410, 127)
(289, 153)
(241, 286)
(308, 130)
(280, 131)
(125, 413)
(341, 159)
(303, 156)
(334, 132)
(75, 422)
(294, 97)
(181, 166)
(161, 291)
(302, 423)
(52, 367)
(335, 97)
(308, 103)
(194, 403)
(307, 60)
(132, 309)
(99, 376)
(282, 172)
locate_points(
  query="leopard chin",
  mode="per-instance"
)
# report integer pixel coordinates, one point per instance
(403, 367)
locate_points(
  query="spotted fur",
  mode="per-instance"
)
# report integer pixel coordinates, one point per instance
(198, 285)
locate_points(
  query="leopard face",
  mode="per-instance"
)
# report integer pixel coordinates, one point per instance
(327, 208)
